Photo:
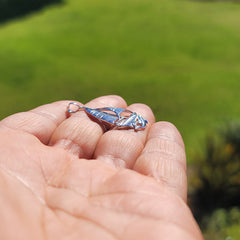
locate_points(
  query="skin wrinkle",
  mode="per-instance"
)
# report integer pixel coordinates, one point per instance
(75, 132)
(91, 221)
(122, 152)
(56, 174)
(52, 181)
(52, 210)
(157, 163)
(173, 169)
(46, 114)
(49, 115)
(118, 174)
(123, 161)
(77, 193)
(85, 132)
(27, 121)
(46, 180)
(43, 225)
(170, 173)
(167, 131)
(120, 210)
(23, 182)
(141, 192)
(99, 226)
(170, 158)
(97, 195)
(92, 168)
(21, 177)
(107, 194)
(46, 142)
(116, 162)
(37, 112)
(168, 145)
(132, 213)
(91, 189)
(102, 207)
(118, 192)
(172, 148)
(72, 146)
(112, 178)
(14, 206)
(4, 126)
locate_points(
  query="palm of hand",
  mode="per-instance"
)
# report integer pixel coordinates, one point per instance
(65, 179)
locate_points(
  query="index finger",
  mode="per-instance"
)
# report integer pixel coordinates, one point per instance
(40, 122)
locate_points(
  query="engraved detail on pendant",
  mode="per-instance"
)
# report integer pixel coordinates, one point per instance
(111, 117)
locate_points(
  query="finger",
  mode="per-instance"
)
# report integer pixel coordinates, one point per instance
(79, 134)
(164, 158)
(122, 147)
(40, 121)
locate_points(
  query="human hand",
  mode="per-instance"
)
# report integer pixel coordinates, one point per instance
(63, 178)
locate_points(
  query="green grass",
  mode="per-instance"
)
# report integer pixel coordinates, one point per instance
(227, 233)
(180, 57)
(233, 232)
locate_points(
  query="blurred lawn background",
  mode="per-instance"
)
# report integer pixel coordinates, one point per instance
(180, 57)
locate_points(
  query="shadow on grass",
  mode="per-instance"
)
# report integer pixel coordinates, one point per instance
(12, 9)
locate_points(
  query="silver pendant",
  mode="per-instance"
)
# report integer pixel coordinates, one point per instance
(111, 118)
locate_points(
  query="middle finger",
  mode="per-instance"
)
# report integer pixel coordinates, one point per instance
(121, 148)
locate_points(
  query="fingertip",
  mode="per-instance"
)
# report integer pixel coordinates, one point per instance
(144, 110)
(108, 101)
(168, 131)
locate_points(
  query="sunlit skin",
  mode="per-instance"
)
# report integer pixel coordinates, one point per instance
(62, 177)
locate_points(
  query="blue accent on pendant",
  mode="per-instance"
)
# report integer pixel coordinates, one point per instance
(113, 117)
